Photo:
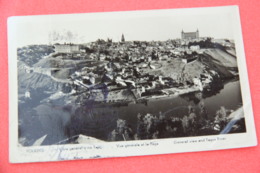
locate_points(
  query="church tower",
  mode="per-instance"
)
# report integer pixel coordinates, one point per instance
(122, 38)
(182, 35)
(197, 34)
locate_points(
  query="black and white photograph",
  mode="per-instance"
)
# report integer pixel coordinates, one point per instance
(127, 83)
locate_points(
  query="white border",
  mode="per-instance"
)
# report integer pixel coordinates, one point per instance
(118, 149)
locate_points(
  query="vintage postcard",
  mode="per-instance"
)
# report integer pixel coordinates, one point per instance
(127, 83)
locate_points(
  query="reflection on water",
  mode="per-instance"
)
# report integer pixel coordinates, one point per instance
(60, 122)
(93, 122)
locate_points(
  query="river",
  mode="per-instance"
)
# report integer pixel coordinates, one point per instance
(62, 122)
(100, 121)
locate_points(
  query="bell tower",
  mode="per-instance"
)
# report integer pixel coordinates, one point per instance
(197, 34)
(182, 35)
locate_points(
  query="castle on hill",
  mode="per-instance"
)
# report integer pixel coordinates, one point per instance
(190, 35)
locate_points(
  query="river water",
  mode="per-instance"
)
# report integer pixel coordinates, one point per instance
(99, 122)
(229, 97)
(62, 122)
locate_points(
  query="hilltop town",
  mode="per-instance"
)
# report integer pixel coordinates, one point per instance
(126, 71)
(79, 89)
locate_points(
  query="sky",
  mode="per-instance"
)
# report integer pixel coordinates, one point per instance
(157, 25)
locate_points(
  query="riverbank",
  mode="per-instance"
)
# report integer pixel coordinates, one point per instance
(152, 126)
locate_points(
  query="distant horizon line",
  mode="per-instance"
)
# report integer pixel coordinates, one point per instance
(121, 41)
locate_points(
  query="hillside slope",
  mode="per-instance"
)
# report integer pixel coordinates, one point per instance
(36, 81)
(222, 58)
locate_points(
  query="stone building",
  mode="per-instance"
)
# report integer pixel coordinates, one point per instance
(190, 35)
(67, 48)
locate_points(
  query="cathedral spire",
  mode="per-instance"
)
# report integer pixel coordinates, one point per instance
(122, 38)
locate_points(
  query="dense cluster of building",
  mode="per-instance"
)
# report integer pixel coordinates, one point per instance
(137, 66)
(127, 64)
